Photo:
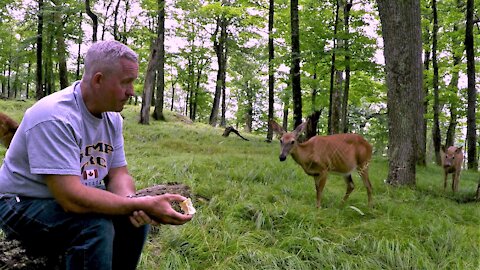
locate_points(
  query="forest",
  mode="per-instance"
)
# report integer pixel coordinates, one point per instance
(401, 74)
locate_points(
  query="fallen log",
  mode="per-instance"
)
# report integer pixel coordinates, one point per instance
(230, 129)
(14, 256)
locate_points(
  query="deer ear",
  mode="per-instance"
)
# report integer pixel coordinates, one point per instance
(276, 128)
(300, 128)
(459, 149)
(442, 148)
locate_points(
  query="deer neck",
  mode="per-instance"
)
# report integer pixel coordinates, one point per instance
(301, 153)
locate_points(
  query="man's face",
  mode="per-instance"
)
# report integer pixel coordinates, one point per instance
(117, 86)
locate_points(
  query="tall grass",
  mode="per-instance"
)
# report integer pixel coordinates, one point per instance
(260, 213)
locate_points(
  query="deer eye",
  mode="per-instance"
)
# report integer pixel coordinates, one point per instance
(281, 141)
(292, 142)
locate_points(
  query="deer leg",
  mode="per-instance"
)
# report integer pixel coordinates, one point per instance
(456, 180)
(363, 172)
(453, 182)
(320, 181)
(445, 181)
(350, 187)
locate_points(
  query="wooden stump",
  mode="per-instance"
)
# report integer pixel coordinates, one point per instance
(14, 256)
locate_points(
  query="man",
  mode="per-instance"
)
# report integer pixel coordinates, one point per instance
(64, 182)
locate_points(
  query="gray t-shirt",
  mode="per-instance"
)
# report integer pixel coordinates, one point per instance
(58, 135)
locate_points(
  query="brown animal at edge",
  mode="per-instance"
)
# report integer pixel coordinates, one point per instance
(8, 127)
(341, 153)
(452, 158)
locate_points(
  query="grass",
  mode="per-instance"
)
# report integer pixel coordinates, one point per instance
(261, 213)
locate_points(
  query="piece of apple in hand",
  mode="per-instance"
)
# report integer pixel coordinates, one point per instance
(187, 207)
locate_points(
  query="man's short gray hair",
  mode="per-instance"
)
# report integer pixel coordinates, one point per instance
(104, 56)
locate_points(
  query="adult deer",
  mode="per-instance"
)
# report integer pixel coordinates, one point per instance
(8, 127)
(341, 153)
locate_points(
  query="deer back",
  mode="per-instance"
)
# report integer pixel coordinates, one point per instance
(339, 153)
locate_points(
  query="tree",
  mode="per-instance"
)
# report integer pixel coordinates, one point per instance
(295, 66)
(401, 31)
(472, 92)
(271, 75)
(220, 42)
(39, 91)
(158, 112)
(94, 18)
(436, 135)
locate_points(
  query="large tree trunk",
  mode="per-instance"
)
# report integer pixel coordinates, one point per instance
(472, 92)
(39, 90)
(148, 85)
(332, 110)
(295, 67)
(94, 18)
(271, 75)
(223, 121)
(79, 57)
(158, 112)
(344, 118)
(401, 31)
(219, 45)
(436, 135)
(61, 46)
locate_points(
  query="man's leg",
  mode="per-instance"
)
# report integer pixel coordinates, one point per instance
(128, 243)
(85, 240)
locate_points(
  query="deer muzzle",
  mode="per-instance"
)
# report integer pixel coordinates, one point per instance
(282, 157)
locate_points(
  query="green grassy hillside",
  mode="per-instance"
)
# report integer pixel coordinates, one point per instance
(260, 213)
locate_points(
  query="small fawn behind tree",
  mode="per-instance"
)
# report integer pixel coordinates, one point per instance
(452, 158)
(8, 127)
(341, 153)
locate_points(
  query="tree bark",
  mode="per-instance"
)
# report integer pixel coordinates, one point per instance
(271, 75)
(401, 31)
(219, 45)
(332, 110)
(61, 46)
(159, 101)
(39, 90)
(94, 18)
(436, 135)
(472, 92)
(149, 85)
(344, 118)
(295, 67)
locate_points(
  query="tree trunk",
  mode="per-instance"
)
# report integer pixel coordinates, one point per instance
(219, 45)
(332, 114)
(271, 75)
(61, 46)
(39, 90)
(295, 68)
(94, 18)
(158, 112)
(401, 31)
(472, 92)
(79, 57)
(436, 135)
(344, 120)
(223, 121)
(149, 85)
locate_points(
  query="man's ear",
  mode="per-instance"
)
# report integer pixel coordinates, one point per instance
(97, 80)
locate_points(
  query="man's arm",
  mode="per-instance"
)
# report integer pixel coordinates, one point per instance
(75, 197)
(120, 182)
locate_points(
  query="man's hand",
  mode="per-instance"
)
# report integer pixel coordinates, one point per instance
(139, 218)
(159, 210)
